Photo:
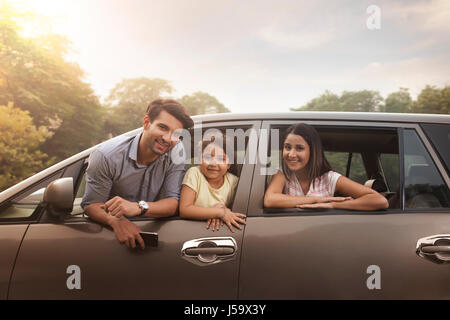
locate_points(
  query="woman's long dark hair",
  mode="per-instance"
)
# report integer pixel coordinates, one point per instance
(317, 164)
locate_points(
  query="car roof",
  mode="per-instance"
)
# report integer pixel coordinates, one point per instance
(327, 115)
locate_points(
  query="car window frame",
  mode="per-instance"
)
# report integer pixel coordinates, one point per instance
(256, 209)
(242, 191)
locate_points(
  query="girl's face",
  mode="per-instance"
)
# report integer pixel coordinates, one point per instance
(215, 162)
(295, 152)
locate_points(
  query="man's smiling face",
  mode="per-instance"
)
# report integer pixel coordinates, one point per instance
(160, 134)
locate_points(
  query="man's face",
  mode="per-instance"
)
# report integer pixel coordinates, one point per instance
(161, 134)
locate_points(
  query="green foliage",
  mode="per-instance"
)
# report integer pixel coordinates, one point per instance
(20, 141)
(400, 102)
(128, 101)
(202, 103)
(433, 100)
(357, 101)
(430, 100)
(35, 76)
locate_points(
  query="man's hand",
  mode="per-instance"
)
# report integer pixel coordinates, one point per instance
(127, 232)
(119, 207)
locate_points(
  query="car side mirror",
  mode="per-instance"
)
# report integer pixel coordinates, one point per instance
(58, 197)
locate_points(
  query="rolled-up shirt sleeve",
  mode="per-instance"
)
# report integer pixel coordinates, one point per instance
(98, 180)
(175, 174)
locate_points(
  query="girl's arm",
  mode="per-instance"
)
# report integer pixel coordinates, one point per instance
(275, 198)
(364, 198)
(191, 211)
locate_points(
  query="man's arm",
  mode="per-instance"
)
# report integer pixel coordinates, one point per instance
(119, 207)
(125, 231)
(98, 187)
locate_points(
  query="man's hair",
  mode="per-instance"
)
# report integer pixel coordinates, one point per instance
(318, 164)
(171, 106)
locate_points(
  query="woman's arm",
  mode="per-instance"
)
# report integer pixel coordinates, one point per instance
(274, 197)
(364, 198)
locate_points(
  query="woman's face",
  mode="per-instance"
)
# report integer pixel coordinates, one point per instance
(215, 162)
(295, 152)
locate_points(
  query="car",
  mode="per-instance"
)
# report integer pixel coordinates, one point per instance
(51, 250)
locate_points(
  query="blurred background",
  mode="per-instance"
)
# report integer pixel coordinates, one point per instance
(76, 72)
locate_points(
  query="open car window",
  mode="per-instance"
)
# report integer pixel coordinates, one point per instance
(368, 156)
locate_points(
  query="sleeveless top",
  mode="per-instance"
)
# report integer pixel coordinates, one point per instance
(324, 186)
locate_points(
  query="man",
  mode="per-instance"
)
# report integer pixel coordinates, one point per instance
(125, 175)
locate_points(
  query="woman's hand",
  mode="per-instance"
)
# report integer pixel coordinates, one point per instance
(324, 203)
(332, 199)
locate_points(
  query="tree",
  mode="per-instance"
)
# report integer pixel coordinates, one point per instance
(20, 141)
(128, 101)
(326, 102)
(355, 101)
(399, 102)
(36, 76)
(202, 103)
(361, 101)
(433, 100)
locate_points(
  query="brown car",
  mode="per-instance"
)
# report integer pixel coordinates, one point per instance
(51, 250)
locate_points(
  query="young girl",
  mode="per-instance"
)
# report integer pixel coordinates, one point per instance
(307, 181)
(208, 189)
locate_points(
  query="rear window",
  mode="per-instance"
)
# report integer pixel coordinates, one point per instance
(439, 135)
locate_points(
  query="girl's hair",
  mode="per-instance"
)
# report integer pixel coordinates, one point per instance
(222, 141)
(317, 164)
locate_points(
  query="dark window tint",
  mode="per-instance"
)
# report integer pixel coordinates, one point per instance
(439, 135)
(424, 186)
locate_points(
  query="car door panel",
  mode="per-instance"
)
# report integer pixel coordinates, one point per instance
(10, 238)
(110, 270)
(328, 256)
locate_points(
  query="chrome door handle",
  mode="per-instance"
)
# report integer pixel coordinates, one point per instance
(434, 248)
(209, 250)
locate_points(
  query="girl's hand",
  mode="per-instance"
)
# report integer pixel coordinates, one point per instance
(215, 223)
(232, 218)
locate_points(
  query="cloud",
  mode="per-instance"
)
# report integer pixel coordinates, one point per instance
(297, 41)
(428, 16)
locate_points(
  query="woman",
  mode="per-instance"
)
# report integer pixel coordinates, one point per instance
(307, 181)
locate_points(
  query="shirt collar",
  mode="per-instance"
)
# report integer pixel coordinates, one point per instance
(133, 153)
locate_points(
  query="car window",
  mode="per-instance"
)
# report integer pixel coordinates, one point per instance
(238, 135)
(340, 160)
(362, 154)
(439, 135)
(424, 186)
(24, 205)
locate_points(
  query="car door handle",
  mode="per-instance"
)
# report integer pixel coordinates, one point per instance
(218, 251)
(209, 250)
(434, 248)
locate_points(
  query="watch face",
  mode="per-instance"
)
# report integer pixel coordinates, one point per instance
(143, 205)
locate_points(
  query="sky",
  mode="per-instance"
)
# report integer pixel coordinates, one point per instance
(258, 55)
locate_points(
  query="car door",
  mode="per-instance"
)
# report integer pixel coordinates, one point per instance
(18, 209)
(351, 254)
(79, 259)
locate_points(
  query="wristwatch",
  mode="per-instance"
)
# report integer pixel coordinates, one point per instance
(144, 207)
